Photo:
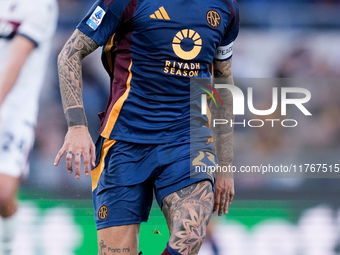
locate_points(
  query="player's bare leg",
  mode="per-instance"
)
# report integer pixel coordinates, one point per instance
(119, 239)
(8, 208)
(8, 195)
(188, 212)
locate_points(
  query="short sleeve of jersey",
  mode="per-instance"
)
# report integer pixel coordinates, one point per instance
(225, 49)
(102, 19)
(40, 20)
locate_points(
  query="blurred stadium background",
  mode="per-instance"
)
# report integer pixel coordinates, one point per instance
(292, 216)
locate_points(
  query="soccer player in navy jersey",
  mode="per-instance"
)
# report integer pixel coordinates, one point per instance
(151, 50)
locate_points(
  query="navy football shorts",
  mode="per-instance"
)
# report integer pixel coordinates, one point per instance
(128, 174)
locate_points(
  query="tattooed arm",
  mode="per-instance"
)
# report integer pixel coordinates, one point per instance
(70, 76)
(223, 137)
(78, 142)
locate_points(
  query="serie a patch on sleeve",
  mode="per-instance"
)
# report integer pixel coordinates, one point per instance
(96, 18)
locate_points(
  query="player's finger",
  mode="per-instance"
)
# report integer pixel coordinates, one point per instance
(93, 155)
(216, 200)
(221, 207)
(59, 155)
(226, 206)
(231, 197)
(77, 164)
(87, 164)
(69, 156)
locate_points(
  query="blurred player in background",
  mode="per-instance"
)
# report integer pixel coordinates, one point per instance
(26, 30)
(150, 50)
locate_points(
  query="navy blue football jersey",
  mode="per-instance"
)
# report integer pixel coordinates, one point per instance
(151, 50)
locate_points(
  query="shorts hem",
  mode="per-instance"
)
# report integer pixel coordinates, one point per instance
(109, 224)
(181, 185)
(15, 174)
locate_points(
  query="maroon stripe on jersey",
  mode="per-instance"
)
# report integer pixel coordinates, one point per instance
(232, 15)
(15, 24)
(121, 56)
(108, 2)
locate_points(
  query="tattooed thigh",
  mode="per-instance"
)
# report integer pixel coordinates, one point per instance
(118, 240)
(187, 213)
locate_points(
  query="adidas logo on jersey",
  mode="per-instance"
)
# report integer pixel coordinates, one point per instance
(160, 14)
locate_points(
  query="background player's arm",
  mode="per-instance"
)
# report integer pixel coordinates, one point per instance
(223, 138)
(78, 141)
(21, 47)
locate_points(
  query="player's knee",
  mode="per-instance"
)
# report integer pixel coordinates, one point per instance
(189, 239)
(190, 232)
(8, 188)
(6, 198)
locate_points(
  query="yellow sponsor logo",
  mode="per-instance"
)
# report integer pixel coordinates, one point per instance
(192, 35)
(182, 68)
(160, 14)
(185, 69)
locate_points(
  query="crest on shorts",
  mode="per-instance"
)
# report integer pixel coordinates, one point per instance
(102, 213)
(213, 18)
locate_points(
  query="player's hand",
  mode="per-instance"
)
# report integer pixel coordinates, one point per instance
(224, 194)
(78, 143)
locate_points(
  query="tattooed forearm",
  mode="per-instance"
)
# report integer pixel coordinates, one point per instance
(222, 69)
(70, 76)
(187, 212)
(223, 134)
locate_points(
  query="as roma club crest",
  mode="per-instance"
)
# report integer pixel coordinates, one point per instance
(102, 213)
(213, 18)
